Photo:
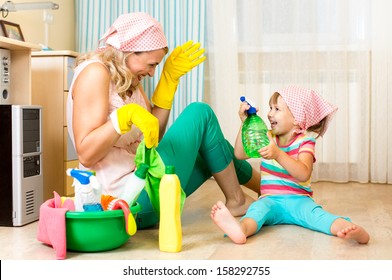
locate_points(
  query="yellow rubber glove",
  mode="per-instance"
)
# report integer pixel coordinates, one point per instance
(179, 62)
(123, 118)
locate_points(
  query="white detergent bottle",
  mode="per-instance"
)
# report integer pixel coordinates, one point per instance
(87, 190)
(135, 184)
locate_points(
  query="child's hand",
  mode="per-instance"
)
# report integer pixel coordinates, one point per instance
(244, 106)
(271, 151)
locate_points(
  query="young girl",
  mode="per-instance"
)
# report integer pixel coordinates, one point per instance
(286, 168)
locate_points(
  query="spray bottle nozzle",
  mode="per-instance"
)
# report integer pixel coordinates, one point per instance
(83, 176)
(252, 109)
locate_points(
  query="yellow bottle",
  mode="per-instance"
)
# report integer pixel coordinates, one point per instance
(170, 231)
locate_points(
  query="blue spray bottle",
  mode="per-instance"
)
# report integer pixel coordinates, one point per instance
(254, 132)
(87, 190)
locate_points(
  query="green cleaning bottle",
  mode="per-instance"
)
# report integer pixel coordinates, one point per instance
(254, 132)
(170, 230)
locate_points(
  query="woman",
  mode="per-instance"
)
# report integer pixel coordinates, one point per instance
(109, 114)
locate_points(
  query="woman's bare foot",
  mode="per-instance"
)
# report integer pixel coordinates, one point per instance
(222, 217)
(239, 208)
(354, 232)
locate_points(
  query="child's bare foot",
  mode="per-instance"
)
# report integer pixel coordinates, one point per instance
(226, 221)
(354, 232)
(239, 209)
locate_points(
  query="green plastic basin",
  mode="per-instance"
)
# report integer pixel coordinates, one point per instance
(97, 231)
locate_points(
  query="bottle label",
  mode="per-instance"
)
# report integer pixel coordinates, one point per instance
(92, 207)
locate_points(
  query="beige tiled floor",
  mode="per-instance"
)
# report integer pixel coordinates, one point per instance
(369, 205)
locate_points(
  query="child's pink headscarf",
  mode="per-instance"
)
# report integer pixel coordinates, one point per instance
(135, 32)
(307, 106)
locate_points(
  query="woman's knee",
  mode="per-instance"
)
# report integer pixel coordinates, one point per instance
(200, 107)
(200, 113)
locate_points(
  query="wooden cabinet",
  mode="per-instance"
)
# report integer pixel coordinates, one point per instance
(52, 73)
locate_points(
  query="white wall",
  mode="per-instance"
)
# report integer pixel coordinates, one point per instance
(61, 35)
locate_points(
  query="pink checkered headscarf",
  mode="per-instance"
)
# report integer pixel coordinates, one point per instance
(307, 106)
(135, 32)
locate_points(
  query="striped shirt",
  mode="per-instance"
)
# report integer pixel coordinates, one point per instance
(276, 180)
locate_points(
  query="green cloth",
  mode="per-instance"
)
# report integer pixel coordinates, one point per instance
(155, 172)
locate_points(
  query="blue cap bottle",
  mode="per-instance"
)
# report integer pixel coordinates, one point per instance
(87, 190)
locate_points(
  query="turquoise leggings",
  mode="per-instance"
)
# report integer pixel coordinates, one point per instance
(195, 145)
(293, 210)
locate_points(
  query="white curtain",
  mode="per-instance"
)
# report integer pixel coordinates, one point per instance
(341, 48)
(381, 93)
(182, 20)
(332, 46)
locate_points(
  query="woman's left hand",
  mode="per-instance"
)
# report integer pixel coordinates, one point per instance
(180, 61)
(183, 59)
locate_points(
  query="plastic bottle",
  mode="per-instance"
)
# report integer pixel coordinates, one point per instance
(87, 190)
(254, 132)
(135, 184)
(170, 231)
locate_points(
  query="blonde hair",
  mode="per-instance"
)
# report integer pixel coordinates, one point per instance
(318, 128)
(116, 62)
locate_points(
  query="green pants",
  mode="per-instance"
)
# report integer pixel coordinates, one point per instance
(195, 145)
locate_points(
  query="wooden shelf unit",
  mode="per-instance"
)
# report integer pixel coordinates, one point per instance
(20, 72)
